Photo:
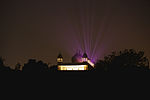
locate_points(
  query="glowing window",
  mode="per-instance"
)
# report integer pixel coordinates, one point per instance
(72, 67)
(59, 60)
(64, 68)
(69, 68)
(81, 68)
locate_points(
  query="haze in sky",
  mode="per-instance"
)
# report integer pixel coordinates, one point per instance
(41, 29)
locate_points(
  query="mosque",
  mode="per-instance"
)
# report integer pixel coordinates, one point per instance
(79, 63)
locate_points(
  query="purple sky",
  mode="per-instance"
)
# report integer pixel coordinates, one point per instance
(41, 29)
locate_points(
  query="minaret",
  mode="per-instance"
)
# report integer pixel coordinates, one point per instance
(59, 59)
(84, 57)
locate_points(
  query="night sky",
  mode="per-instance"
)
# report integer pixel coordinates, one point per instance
(41, 29)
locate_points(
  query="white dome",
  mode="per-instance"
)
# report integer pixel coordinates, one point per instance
(77, 58)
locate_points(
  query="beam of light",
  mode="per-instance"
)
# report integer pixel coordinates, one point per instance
(88, 27)
(83, 32)
(100, 35)
(84, 14)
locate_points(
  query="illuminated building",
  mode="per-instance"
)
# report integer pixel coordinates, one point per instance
(71, 67)
(79, 63)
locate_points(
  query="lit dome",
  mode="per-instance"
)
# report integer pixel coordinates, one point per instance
(77, 58)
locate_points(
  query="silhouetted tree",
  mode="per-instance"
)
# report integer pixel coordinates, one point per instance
(127, 60)
(53, 68)
(1, 61)
(4, 68)
(33, 66)
(18, 67)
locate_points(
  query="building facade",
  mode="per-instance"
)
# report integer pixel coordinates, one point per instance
(79, 63)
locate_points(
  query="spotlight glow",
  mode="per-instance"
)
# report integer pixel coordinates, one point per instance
(85, 31)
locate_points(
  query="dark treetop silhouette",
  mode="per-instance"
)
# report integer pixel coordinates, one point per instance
(127, 60)
(123, 61)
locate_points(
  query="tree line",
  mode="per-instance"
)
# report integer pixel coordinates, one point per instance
(127, 60)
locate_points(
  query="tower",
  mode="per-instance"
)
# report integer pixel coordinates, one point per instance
(84, 57)
(59, 59)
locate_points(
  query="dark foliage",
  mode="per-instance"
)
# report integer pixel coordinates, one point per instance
(53, 68)
(4, 68)
(34, 66)
(123, 61)
(126, 61)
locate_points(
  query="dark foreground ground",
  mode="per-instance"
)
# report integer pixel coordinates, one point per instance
(74, 85)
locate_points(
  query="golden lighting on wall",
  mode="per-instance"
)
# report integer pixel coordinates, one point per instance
(72, 67)
(91, 63)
